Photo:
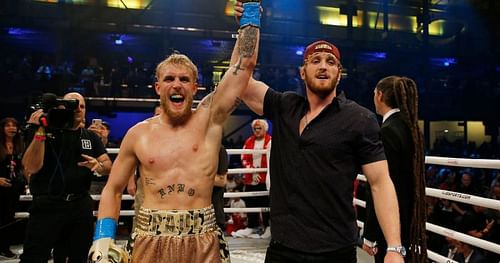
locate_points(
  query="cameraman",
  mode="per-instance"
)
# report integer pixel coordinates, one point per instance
(59, 164)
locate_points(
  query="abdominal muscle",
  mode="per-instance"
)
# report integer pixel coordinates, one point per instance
(188, 185)
(177, 166)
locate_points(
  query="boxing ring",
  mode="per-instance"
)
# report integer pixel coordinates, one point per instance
(432, 192)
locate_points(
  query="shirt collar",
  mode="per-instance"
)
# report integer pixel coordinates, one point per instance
(339, 100)
(389, 113)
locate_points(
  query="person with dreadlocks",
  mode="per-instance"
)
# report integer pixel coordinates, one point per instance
(396, 99)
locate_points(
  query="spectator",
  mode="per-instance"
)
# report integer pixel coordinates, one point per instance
(11, 181)
(260, 139)
(466, 253)
(238, 220)
(102, 129)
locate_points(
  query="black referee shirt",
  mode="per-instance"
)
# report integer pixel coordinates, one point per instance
(60, 173)
(312, 174)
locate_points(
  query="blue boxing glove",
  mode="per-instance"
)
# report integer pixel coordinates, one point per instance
(251, 15)
(104, 249)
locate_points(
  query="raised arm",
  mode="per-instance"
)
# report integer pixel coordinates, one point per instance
(386, 204)
(33, 156)
(243, 60)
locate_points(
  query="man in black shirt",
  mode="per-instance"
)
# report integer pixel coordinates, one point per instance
(60, 164)
(320, 143)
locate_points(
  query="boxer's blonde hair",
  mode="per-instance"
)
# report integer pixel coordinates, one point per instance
(178, 60)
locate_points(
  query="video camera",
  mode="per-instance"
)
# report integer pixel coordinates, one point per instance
(58, 113)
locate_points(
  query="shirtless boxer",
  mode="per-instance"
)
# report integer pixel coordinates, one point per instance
(176, 153)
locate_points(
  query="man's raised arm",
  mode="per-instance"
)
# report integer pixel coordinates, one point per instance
(243, 60)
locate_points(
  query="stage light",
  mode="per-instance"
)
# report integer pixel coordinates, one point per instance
(299, 52)
(117, 39)
(443, 62)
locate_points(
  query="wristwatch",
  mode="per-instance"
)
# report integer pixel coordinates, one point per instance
(398, 249)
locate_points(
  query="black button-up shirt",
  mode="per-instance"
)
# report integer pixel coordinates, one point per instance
(312, 174)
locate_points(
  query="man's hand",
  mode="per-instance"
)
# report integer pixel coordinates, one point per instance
(4, 182)
(92, 163)
(255, 178)
(238, 11)
(35, 117)
(370, 250)
(132, 186)
(97, 129)
(104, 249)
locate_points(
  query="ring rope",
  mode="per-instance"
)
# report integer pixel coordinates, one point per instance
(246, 170)
(463, 162)
(131, 198)
(477, 242)
(459, 197)
(464, 198)
(449, 233)
(439, 258)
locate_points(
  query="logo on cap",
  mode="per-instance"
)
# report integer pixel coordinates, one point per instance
(321, 46)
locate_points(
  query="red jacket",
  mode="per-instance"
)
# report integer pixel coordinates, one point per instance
(247, 159)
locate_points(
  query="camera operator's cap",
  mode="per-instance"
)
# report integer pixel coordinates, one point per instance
(321, 46)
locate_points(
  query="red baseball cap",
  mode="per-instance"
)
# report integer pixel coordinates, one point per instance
(321, 46)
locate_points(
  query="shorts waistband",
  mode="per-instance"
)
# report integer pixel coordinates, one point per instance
(175, 222)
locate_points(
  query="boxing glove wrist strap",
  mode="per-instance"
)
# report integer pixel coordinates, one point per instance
(251, 15)
(105, 227)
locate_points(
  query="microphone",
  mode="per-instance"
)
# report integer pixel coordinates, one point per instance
(48, 100)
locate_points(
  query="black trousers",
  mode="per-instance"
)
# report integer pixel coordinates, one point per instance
(9, 199)
(277, 253)
(257, 201)
(66, 226)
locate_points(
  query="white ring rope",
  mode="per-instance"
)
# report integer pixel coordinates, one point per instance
(477, 242)
(449, 233)
(246, 170)
(463, 162)
(464, 198)
(129, 197)
(245, 151)
(459, 197)
(439, 258)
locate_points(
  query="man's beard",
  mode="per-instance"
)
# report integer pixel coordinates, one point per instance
(176, 117)
(321, 91)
